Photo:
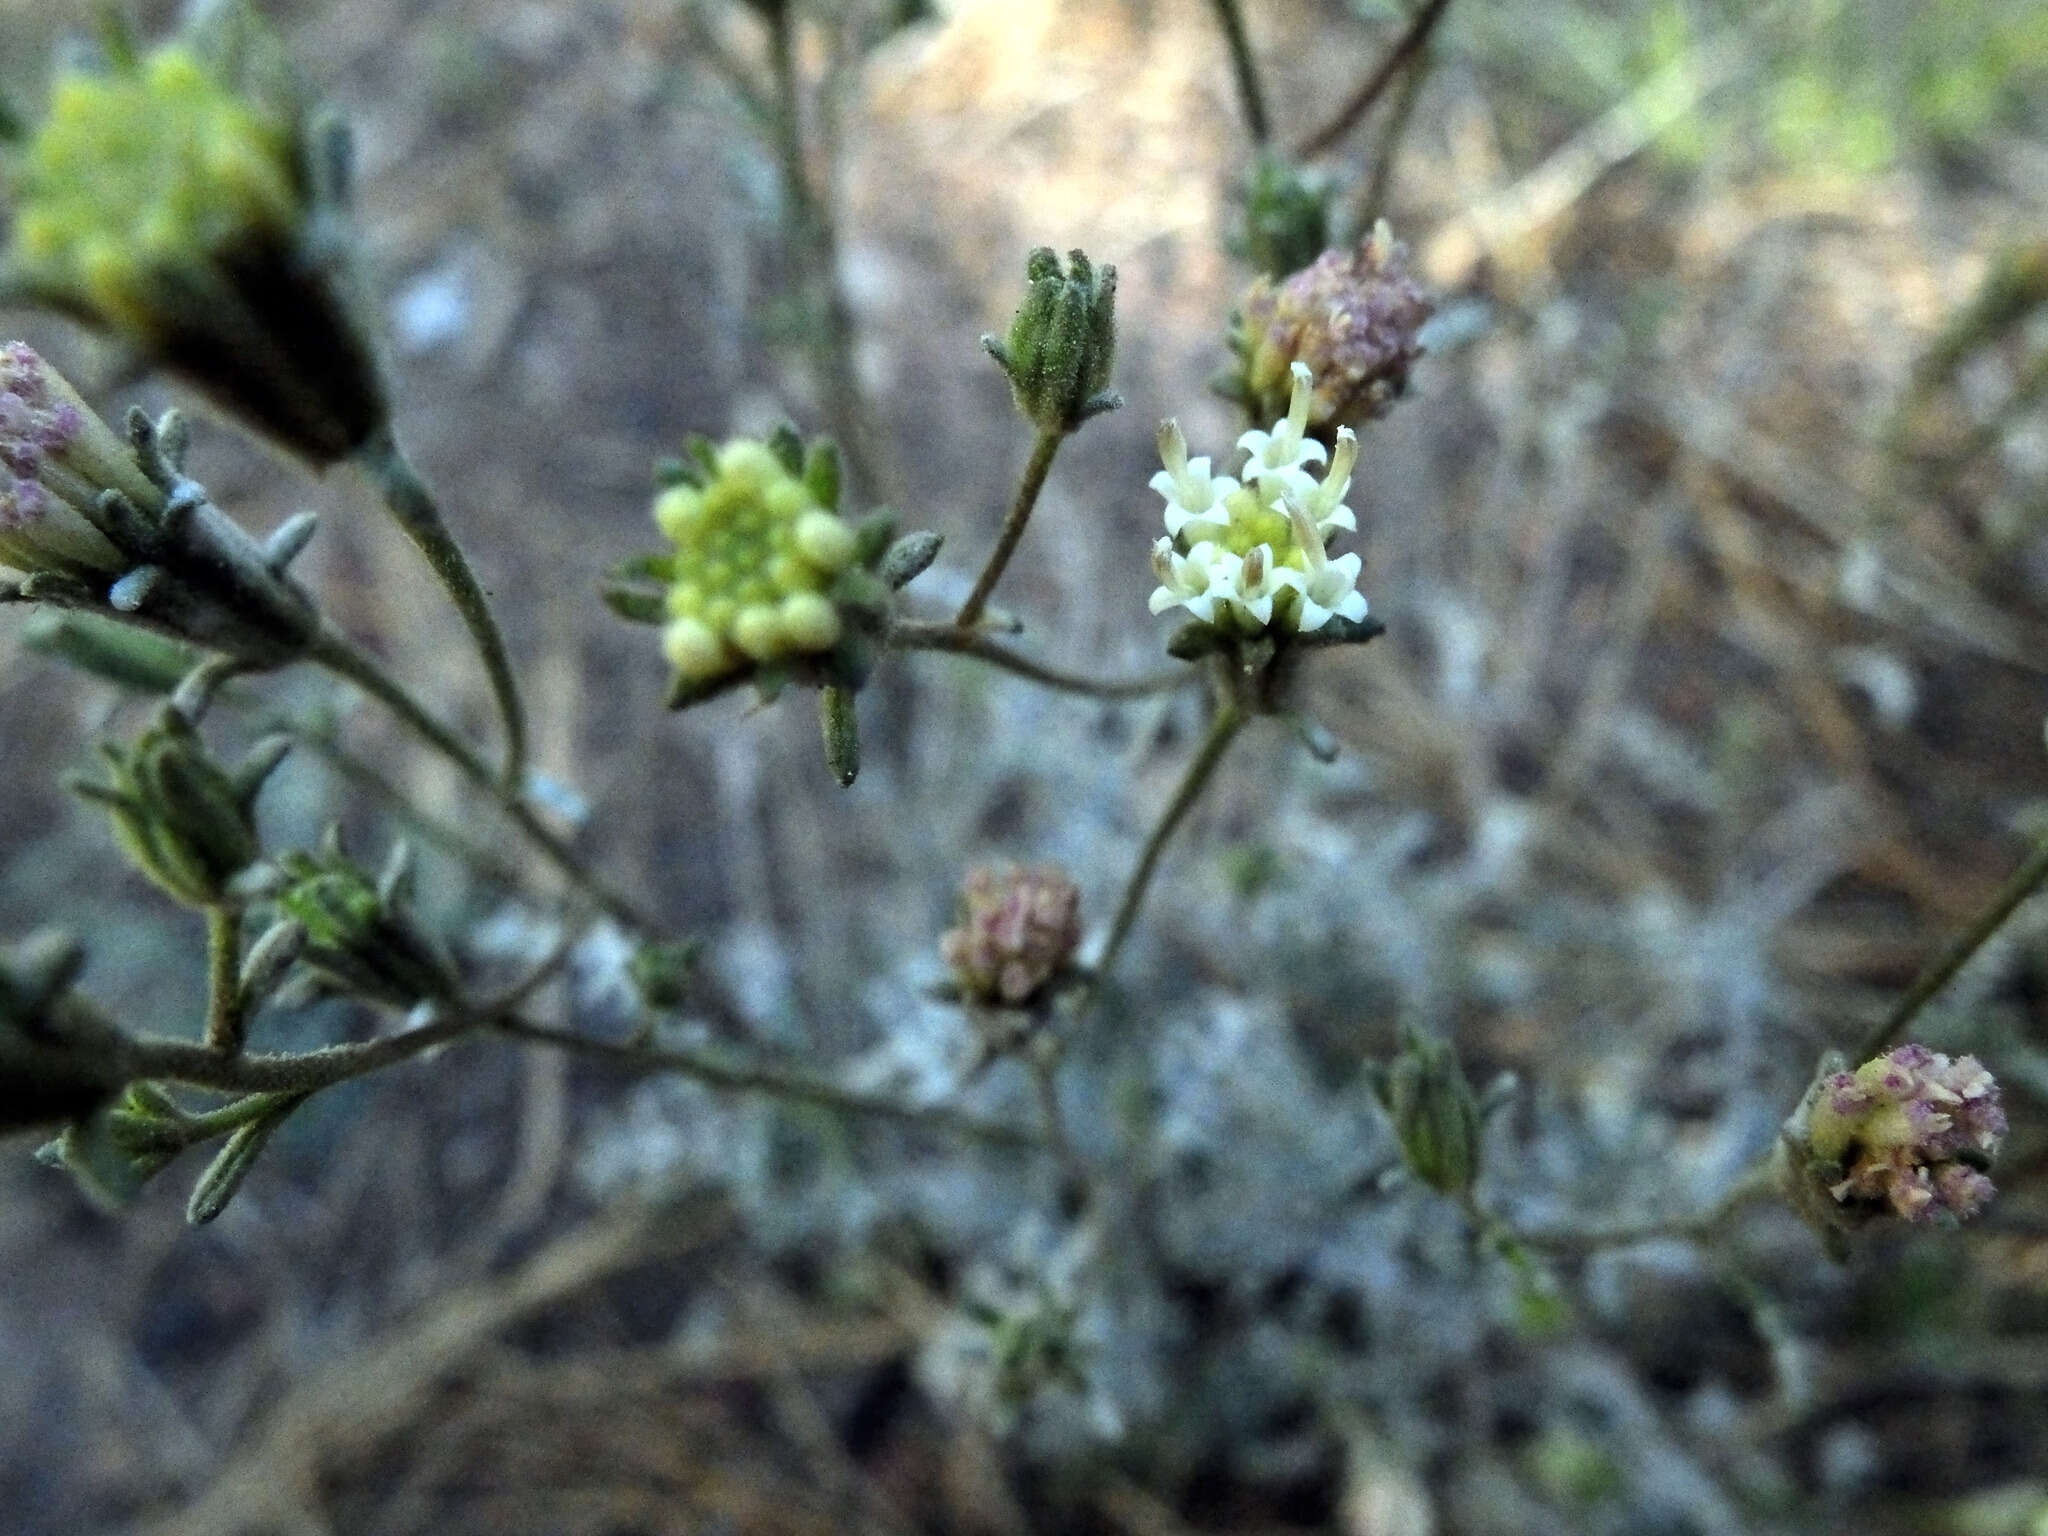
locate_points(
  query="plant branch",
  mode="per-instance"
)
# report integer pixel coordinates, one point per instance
(2024, 882)
(413, 506)
(1405, 47)
(298, 1073)
(343, 657)
(1042, 454)
(224, 1013)
(717, 1071)
(1223, 730)
(1246, 69)
(1754, 1183)
(817, 242)
(952, 639)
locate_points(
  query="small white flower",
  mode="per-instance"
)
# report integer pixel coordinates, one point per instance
(1284, 453)
(1327, 586)
(1256, 581)
(1196, 580)
(1325, 504)
(1192, 493)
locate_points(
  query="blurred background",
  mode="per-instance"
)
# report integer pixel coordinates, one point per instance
(1713, 549)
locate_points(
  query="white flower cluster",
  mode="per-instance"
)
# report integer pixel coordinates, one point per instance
(1251, 553)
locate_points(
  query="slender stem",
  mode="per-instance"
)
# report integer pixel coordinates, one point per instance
(179, 1061)
(1388, 151)
(343, 657)
(817, 243)
(413, 506)
(1754, 1183)
(1245, 67)
(451, 839)
(1042, 453)
(1361, 102)
(224, 1014)
(2025, 881)
(296, 1074)
(755, 1077)
(1222, 731)
(972, 642)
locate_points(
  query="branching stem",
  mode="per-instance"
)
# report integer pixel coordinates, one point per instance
(343, 657)
(973, 642)
(297, 1073)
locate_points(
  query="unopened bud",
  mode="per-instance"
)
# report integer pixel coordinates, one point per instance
(1435, 1117)
(357, 942)
(1061, 346)
(184, 820)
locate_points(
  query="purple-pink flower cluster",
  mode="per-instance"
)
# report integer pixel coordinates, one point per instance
(1911, 1130)
(33, 426)
(1020, 929)
(1353, 317)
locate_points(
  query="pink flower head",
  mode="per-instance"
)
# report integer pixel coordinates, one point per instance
(1911, 1131)
(1020, 929)
(1352, 316)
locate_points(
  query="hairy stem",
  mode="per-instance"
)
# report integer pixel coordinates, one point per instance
(1245, 67)
(413, 506)
(1361, 102)
(2025, 881)
(1042, 454)
(817, 242)
(343, 657)
(718, 1071)
(1373, 203)
(972, 642)
(1754, 1183)
(224, 1017)
(1222, 731)
(298, 1073)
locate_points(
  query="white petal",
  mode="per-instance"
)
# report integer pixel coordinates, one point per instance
(1162, 598)
(1353, 607)
(1338, 517)
(1313, 615)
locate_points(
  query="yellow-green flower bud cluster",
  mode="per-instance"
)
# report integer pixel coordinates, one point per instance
(188, 203)
(756, 555)
(142, 171)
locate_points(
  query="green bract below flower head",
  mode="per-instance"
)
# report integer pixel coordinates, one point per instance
(756, 556)
(176, 202)
(1249, 554)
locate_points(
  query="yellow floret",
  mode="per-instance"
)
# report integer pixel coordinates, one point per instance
(810, 622)
(694, 650)
(755, 555)
(824, 540)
